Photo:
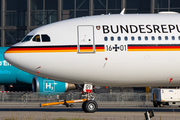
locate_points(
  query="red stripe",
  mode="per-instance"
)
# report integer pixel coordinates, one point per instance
(86, 47)
(56, 48)
(99, 47)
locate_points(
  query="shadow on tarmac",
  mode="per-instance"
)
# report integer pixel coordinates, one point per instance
(99, 109)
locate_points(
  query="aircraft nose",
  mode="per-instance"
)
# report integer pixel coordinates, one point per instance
(12, 58)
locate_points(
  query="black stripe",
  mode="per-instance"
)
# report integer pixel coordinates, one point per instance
(43, 46)
(99, 45)
(91, 45)
(55, 46)
(86, 45)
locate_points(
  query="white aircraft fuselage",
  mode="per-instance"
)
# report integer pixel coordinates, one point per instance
(106, 50)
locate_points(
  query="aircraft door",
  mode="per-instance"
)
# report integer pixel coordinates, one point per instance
(86, 39)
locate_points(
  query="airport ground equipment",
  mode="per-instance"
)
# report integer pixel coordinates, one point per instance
(89, 106)
(163, 96)
(63, 102)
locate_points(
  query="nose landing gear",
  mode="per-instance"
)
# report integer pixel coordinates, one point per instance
(89, 106)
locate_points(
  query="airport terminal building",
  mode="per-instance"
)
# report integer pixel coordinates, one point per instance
(18, 17)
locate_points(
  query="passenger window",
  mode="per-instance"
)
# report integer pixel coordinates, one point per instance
(112, 38)
(132, 38)
(159, 37)
(105, 38)
(45, 38)
(146, 38)
(119, 38)
(179, 37)
(153, 38)
(36, 38)
(173, 38)
(139, 38)
(166, 37)
(125, 38)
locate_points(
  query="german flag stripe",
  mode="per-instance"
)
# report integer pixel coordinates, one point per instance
(55, 48)
(64, 48)
(154, 47)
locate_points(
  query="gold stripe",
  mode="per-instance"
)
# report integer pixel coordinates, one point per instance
(90, 50)
(99, 50)
(86, 50)
(39, 51)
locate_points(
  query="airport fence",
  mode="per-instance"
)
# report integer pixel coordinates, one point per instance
(35, 97)
(124, 98)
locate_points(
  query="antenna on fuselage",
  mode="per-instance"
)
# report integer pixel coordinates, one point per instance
(122, 12)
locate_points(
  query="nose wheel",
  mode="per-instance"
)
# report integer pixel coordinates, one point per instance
(89, 106)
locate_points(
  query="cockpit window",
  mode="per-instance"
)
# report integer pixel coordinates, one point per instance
(45, 38)
(36, 38)
(27, 38)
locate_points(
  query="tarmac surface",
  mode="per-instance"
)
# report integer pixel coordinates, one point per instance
(103, 113)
